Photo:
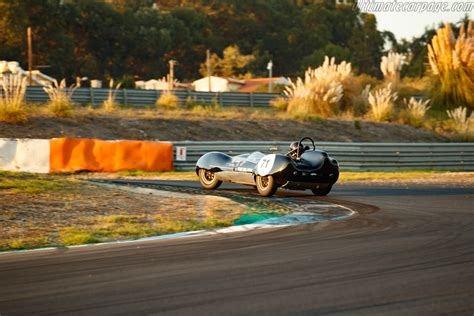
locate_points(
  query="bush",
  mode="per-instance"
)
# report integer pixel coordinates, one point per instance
(192, 102)
(280, 103)
(12, 99)
(354, 100)
(60, 103)
(321, 90)
(416, 111)
(167, 100)
(381, 103)
(463, 125)
(127, 82)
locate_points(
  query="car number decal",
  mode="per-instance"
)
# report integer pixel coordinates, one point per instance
(265, 165)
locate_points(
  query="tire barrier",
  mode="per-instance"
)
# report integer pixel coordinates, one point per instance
(78, 154)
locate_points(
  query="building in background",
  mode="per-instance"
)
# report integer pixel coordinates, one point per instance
(261, 84)
(37, 77)
(218, 84)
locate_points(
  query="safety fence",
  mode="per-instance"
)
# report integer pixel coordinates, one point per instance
(351, 156)
(137, 97)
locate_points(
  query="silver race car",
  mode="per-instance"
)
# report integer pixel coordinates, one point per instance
(300, 168)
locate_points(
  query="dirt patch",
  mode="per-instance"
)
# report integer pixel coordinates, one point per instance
(80, 212)
(227, 125)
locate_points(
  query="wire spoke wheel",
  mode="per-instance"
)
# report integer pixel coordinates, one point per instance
(208, 179)
(266, 185)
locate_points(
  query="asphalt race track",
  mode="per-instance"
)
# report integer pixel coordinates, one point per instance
(409, 251)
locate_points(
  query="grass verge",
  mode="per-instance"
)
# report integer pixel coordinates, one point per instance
(60, 210)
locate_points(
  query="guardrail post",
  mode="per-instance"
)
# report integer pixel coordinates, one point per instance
(251, 100)
(125, 97)
(91, 92)
(221, 98)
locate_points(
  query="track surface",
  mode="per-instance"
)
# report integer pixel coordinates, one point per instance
(409, 251)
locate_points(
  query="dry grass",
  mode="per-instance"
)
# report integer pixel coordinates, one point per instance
(463, 124)
(280, 103)
(452, 62)
(416, 111)
(320, 91)
(391, 65)
(381, 103)
(110, 105)
(168, 100)
(12, 99)
(60, 98)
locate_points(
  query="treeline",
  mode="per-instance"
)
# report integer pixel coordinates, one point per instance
(123, 38)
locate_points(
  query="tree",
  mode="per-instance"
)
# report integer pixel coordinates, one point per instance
(366, 45)
(232, 64)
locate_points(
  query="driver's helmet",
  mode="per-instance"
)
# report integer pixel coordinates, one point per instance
(294, 146)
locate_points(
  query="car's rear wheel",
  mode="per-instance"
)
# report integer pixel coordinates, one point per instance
(208, 179)
(322, 191)
(266, 185)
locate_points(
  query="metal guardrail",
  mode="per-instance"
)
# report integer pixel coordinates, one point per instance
(137, 97)
(351, 156)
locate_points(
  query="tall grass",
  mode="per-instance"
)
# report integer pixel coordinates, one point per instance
(416, 111)
(320, 91)
(12, 99)
(463, 124)
(109, 105)
(452, 62)
(60, 98)
(381, 103)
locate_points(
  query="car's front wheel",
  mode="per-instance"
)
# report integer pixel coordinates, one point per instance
(208, 179)
(266, 185)
(323, 191)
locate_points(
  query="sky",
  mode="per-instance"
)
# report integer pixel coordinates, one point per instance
(410, 24)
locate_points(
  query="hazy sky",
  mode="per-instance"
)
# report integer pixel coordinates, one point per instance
(407, 25)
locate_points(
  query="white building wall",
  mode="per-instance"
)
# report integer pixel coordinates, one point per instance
(217, 84)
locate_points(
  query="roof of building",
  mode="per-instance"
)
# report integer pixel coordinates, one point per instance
(253, 84)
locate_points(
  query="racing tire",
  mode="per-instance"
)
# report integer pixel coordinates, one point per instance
(208, 179)
(323, 191)
(266, 185)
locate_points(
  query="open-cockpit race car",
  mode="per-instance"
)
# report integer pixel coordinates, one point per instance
(299, 169)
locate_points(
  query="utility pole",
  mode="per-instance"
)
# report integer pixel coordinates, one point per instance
(171, 75)
(208, 63)
(270, 76)
(30, 57)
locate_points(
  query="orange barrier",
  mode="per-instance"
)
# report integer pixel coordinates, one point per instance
(76, 154)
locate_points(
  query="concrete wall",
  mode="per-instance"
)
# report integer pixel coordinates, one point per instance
(75, 154)
(25, 155)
